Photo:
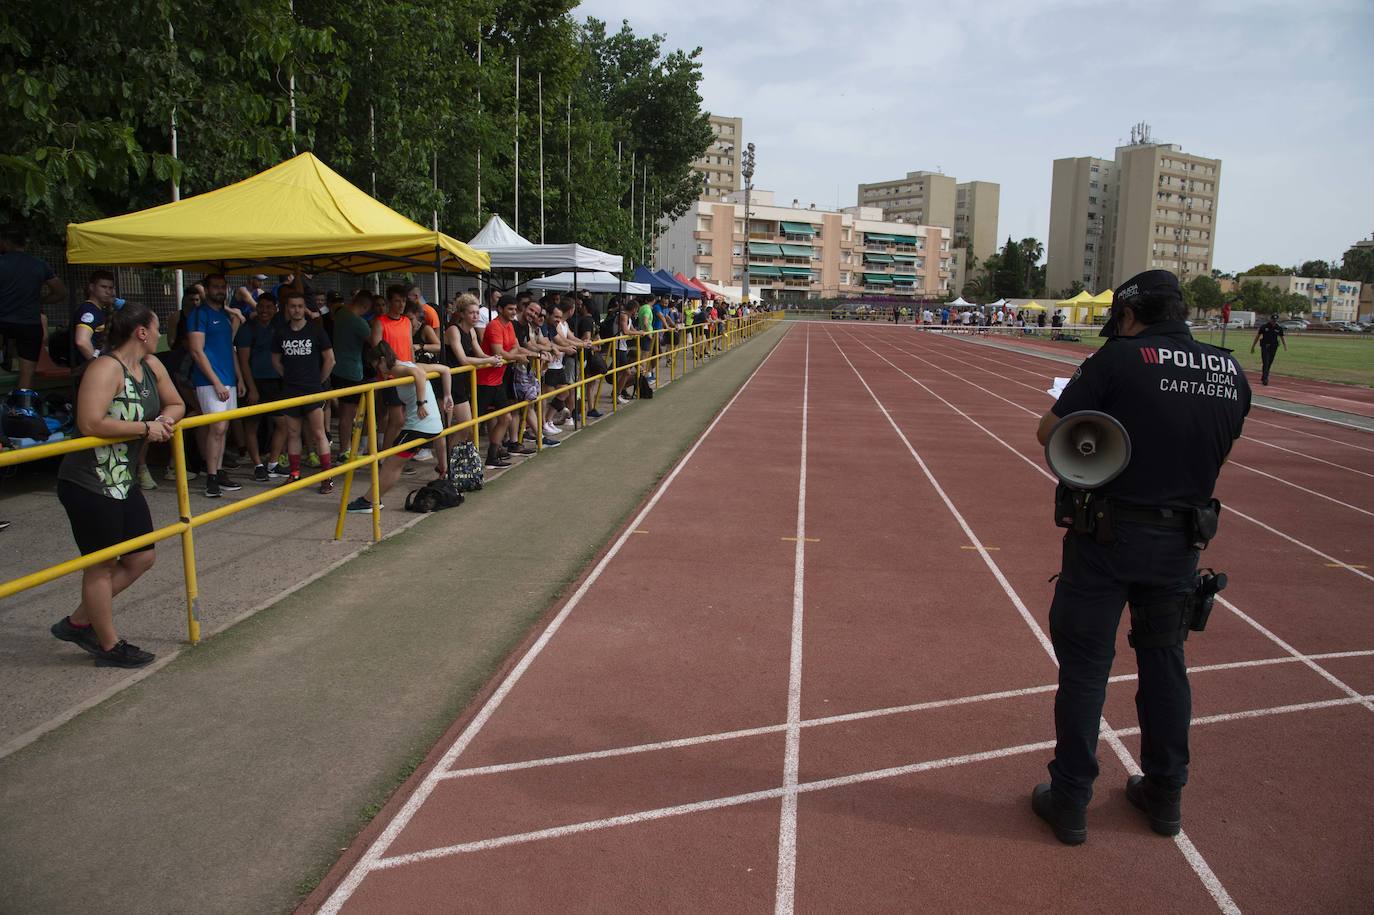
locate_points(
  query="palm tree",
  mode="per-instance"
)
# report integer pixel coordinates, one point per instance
(1031, 250)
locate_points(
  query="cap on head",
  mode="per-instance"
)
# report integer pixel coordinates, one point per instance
(1151, 284)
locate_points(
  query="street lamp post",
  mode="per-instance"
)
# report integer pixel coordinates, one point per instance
(747, 170)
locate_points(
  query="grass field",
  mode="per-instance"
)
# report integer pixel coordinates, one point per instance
(1347, 358)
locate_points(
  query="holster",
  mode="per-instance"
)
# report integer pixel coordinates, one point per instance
(1168, 620)
(1203, 526)
(1081, 512)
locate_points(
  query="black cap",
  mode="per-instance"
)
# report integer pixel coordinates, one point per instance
(1153, 283)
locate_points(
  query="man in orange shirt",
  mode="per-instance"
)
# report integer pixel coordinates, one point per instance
(395, 328)
(431, 314)
(499, 340)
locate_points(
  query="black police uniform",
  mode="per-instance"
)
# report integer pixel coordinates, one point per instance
(1182, 403)
(1269, 337)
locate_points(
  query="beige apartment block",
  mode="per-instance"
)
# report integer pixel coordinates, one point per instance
(1332, 299)
(797, 253)
(1152, 207)
(924, 198)
(720, 165)
(975, 216)
(1082, 204)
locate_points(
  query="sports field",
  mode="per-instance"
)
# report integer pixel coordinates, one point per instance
(812, 673)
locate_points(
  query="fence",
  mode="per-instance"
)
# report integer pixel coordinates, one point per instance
(686, 349)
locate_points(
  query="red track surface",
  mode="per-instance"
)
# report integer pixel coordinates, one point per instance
(840, 641)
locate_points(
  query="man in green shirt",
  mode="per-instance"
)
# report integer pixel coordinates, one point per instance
(351, 336)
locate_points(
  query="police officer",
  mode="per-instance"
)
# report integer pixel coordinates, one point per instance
(1269, 336)
(1182, 403)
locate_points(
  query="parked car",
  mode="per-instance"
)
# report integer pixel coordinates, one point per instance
(1350, 327)
(1293, 324)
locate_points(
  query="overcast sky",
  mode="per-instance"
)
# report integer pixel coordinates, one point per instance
(835, 93)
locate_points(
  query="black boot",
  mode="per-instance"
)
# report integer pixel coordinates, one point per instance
(1161, 805)
(1069, 823)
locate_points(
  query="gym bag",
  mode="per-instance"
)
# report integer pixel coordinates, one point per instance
(436, 495)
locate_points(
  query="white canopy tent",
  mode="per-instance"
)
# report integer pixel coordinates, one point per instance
(1000, 303)
(589, 282)
(960, 303)
(509, 250)
(731, 294)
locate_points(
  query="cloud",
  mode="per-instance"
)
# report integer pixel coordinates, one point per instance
(834, 94)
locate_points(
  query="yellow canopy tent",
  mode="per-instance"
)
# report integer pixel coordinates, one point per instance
(1079, 309)
(299, 215)
(1083, 298)
(1034, 306)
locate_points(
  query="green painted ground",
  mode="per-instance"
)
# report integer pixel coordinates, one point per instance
(1346, 358)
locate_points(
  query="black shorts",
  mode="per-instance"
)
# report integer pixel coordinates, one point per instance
(98, 521)
(410, 435)
(338, 383)
(390, 398)
(554, 378)
(300, 410)
(28, 339)
(269, 389)
(491, 397)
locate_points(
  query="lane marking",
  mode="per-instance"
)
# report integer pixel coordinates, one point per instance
(802, 539)
(1047, 475)
(990, 549)
(1353, 565)
(1185, 845)
(349, 885)
(825, 784)
(684, 742)
(787, 819)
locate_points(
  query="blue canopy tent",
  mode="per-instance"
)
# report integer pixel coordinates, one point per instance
(656, 283)
(678, 289)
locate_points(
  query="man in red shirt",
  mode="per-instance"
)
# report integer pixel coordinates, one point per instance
(431, 314)
(395, 328)
(498, 340)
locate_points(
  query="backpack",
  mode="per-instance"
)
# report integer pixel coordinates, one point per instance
(465, 467)
(609, 324)
(646, 390)
(434, 496)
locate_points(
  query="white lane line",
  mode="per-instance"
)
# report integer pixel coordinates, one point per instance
(1324, 438)
(1310, 492)
(1185, 845)
(825, 784)
(866, 714)
(349, 885)
(979, 367)
(1047, 475)
(787, 820)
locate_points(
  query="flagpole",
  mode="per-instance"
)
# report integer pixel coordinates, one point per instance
(516, 224)
(541, 158)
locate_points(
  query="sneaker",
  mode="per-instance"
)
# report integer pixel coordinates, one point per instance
(1160, 805)
(122, 655)
(228, 462)
(529, 436)
(345, 457)
(275, 472)
(211, 487)
(361, 506)
(145, 479)
(1069, 824)
(326, 486)
(227, 483)
(408, 470)
(424, 454)
(260, 474)
(83, 638)
(281, 460)
(312, 459)
(293, 476)
(509, 444)
(521, 448)
(498, 463)
(171, 474)
(551, 429)
(595, 414)
(502, 453)
(622, 399)
(551, 442)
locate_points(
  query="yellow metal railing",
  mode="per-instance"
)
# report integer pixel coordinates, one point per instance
(690, 347)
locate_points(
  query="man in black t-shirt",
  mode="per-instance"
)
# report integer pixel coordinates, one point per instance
(1269, 336)
(304, 357)
(90, 317)
(27, 283)
(1183, 404)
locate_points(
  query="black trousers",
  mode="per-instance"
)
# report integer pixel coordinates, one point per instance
(1144, 565)
(1267, 354)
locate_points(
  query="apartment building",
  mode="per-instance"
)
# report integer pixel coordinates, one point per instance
(1154, 208)
(970, 208)
(720, 164)
(1332, 299)
(796, 253)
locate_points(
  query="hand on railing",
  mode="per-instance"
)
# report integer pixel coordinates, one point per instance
(160, 429)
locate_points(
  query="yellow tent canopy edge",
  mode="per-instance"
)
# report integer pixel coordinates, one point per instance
(298, 215)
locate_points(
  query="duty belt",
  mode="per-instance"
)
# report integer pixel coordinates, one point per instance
(1173, 518)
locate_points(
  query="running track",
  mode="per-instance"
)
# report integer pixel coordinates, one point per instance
(812, 675)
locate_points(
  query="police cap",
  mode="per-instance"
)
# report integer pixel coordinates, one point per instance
(1151, 283)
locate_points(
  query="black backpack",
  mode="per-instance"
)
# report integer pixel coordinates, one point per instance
(436, 495)
(610, 324)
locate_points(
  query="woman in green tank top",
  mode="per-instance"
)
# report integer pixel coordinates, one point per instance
(124, 394)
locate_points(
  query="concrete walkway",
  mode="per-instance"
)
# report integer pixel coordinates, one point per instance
(230, 779)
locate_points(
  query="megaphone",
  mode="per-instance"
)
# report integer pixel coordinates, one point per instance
(1088, 449)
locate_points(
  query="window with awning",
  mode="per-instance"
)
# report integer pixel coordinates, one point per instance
(796, 250)
(877, 258)
(755, 270)
(797, 271)
(798, 228)
(904, 239)
(764, 249)
(878, 238)
(877, 279)
(903, 278)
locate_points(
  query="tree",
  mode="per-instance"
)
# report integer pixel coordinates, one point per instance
(1073, 289)
(1268, 270)
(1257, 296)
(1010, 279)
(1315, 268)
(1292, 303)
(1357, 264)
(1203, 294)
(1031, 251)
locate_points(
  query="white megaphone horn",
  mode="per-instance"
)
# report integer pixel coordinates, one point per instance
(1088, 449)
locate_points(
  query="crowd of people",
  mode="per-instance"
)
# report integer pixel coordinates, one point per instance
(515, 355)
